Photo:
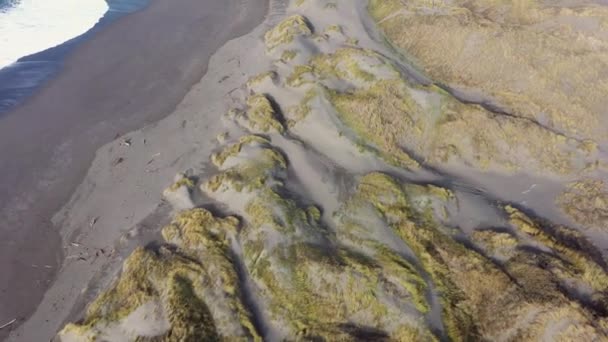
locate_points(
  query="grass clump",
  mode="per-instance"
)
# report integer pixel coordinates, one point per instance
(289, 55)
(146, 277)
(497, 244)
(268, 75)
(349, 64)
(381, 115)
(190, 317)
(286, 31)
(380, 9)
(261, 116)
(298, 112)
(182, 181)
(314, 214)
(333, 29)
(196, 285)
(260, 165)
(270, 208)
(586, 202)
(198, 229)
(220, 158)
(577, 251)
(298, 76)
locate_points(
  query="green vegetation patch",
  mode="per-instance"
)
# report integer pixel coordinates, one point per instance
(471, 287)
(286, 31)
(261, 116)
(581, 266)
(268, 75)
(259, 165)
(382, 115)
(182, 181)
(196, 284)
(586, 202)
(314, 286)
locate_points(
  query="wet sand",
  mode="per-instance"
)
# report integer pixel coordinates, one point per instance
(132, 73)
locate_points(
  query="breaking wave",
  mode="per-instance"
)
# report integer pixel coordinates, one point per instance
(30, 26)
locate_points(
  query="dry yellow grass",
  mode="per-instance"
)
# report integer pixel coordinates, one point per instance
(286, 31)
(586, 202)
(259, 165)
(472, 288)
(583, 267)
(548, 64)
(406, 123)
(261, 116)
(310, 284)
(197, 285)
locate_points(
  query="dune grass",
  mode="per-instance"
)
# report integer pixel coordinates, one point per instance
(286, 31)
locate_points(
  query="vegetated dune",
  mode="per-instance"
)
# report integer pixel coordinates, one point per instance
(345, 221)
(541, 65)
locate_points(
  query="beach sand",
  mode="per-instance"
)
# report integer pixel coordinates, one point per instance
(132, 73)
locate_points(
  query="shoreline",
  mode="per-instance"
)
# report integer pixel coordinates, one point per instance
(71, 117)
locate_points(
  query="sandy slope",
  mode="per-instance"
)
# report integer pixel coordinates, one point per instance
(328, 188)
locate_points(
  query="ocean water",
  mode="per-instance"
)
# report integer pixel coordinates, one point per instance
(30, 26)
(37, 35)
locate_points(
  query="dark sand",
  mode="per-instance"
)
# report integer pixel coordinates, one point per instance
(132, 73)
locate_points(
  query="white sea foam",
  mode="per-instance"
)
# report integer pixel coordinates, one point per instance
(35, 25)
